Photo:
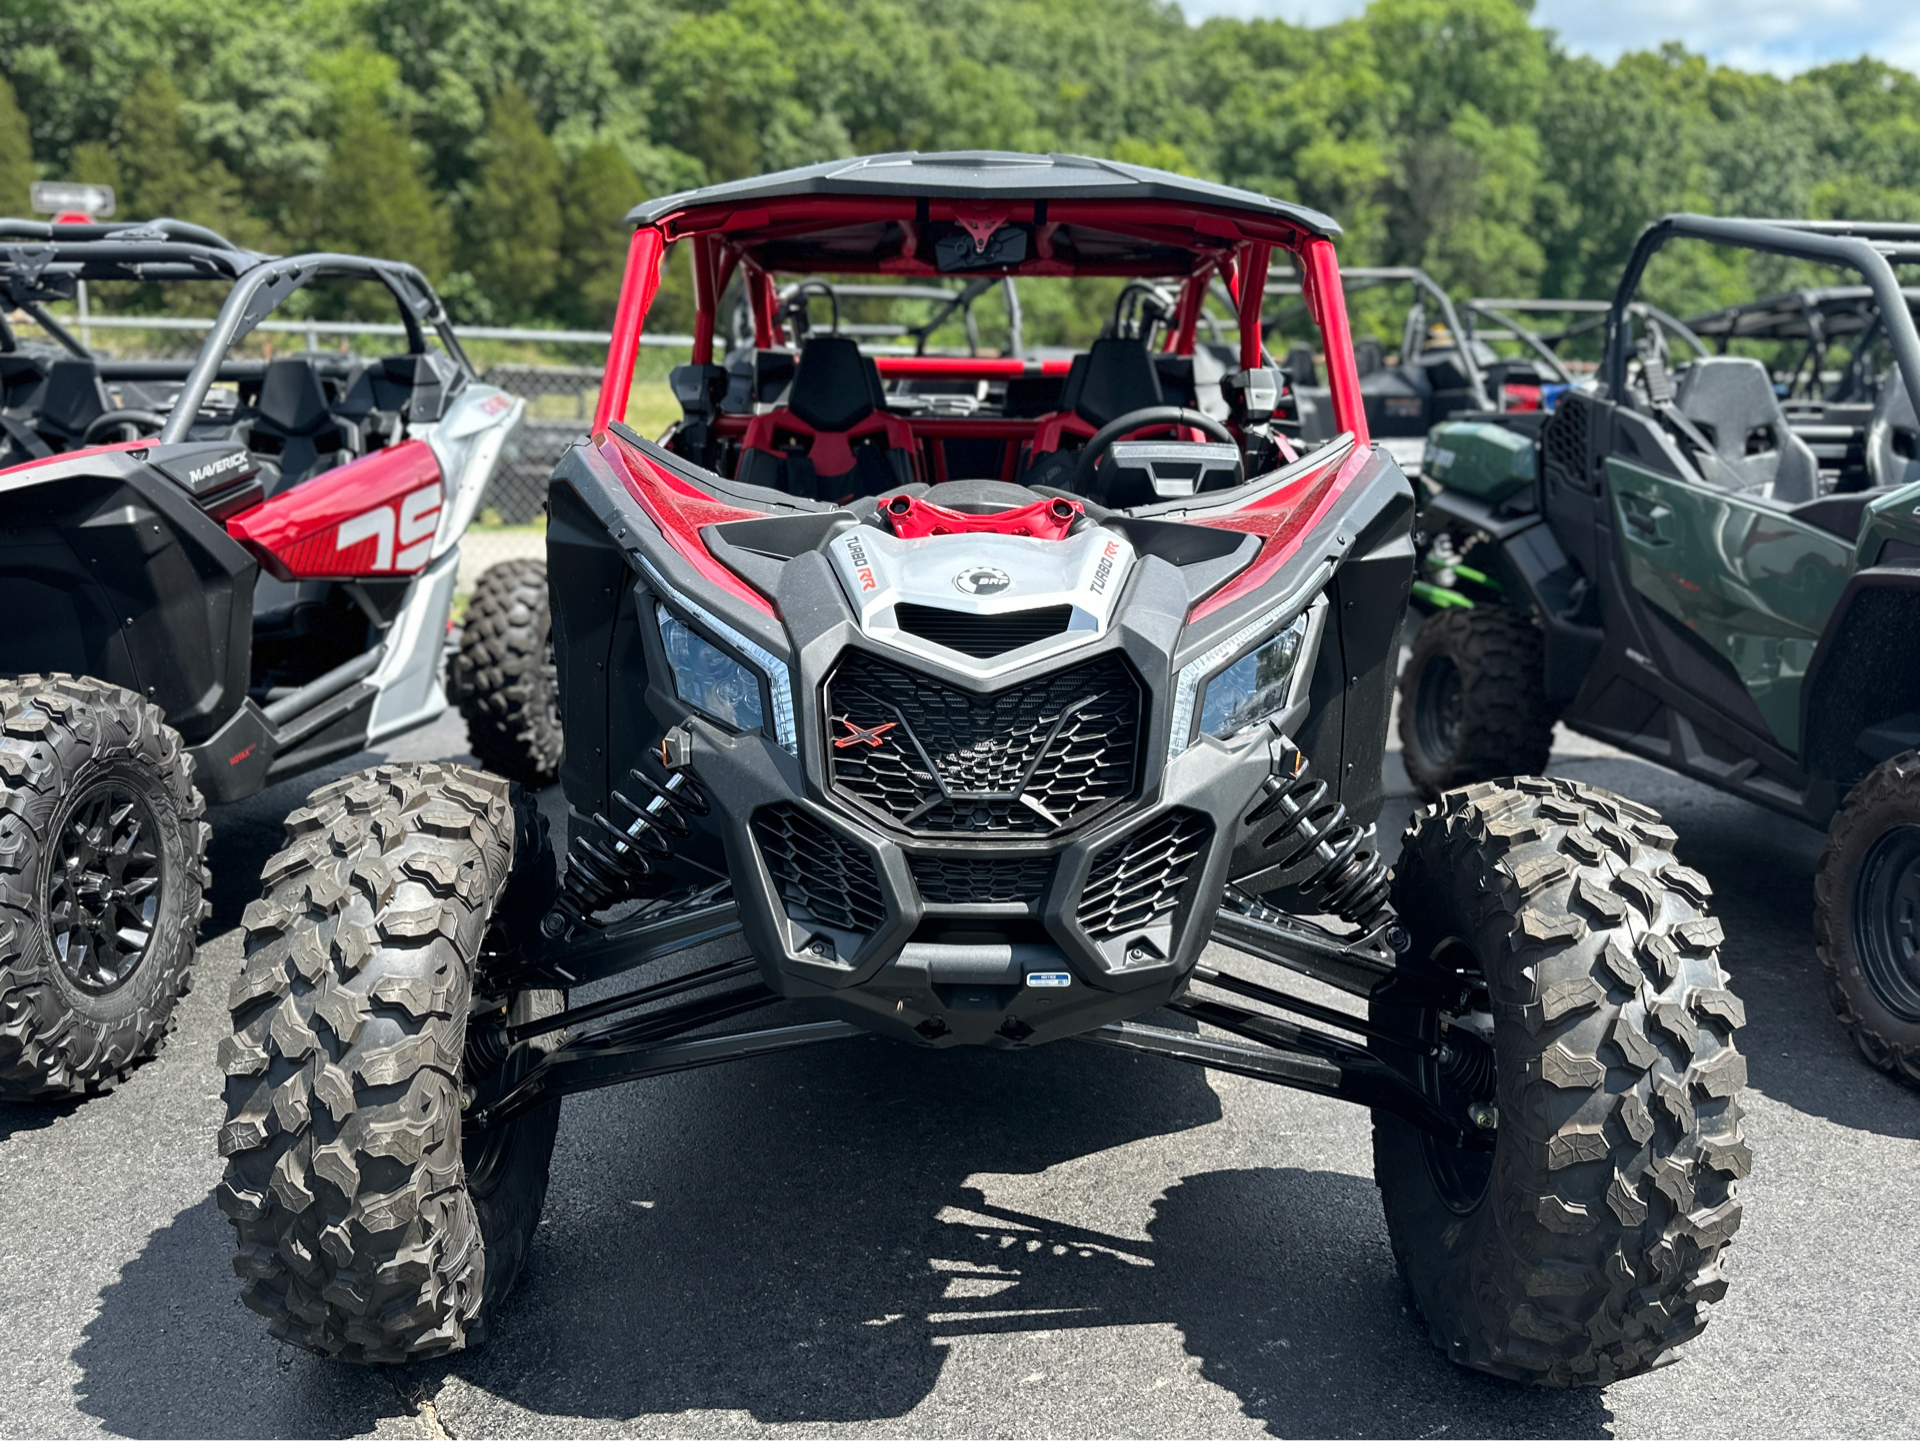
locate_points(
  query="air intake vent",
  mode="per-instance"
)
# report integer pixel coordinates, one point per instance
(982, 880)
(822, 876)
(982, 636)
(1137, 880)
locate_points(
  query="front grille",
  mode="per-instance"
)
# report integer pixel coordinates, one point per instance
(982, 880)
(1137, 880)
(1031, 759)
(821, 876)
(982, 636)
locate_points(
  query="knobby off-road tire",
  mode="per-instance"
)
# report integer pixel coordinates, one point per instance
(1864, 913)
(368, 1227)
(1473, 700)
(1596, 1234)
(103, 870)
(504, 678)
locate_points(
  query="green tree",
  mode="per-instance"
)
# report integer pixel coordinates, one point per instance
(374, 199)
(16, 154)
(166, 174)
(513, 212)
(600, 189)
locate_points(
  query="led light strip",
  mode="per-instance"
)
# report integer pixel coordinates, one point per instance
(771, 665)
(1187, 688)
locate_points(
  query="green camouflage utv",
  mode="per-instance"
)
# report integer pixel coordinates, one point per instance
(1683, 565)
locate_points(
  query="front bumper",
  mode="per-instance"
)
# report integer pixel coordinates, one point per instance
(1007, 942)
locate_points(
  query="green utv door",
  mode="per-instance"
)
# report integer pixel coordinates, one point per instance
(1755, 584)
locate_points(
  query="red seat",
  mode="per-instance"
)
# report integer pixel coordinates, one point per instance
(834, 439)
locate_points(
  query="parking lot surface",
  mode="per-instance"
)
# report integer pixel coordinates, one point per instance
(866, 1238)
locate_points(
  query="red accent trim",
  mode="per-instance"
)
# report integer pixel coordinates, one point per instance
(638, 287)
(874, 736)
(832, 451)
(375, 516)
(1321, 287)
(965, 367)
(66, 455)
(705, 303)
(914, 519)
(680, 512)
(1282, 521)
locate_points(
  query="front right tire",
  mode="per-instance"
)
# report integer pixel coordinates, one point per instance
(1865, 893)
(1563, 990)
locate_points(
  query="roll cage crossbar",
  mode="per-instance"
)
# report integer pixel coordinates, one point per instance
(881, 234)
(1866, 247)
(1371, 277)
(1503, 314)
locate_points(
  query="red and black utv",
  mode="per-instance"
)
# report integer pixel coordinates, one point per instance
(964, 699)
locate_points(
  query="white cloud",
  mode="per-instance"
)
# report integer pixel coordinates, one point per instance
(1784, 36)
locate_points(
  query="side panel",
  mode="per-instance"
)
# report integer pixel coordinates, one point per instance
(374, 517)
(588, 584)
(1755, 584)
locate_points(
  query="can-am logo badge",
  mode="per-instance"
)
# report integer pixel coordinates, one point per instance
(982, 580)
(872, 736)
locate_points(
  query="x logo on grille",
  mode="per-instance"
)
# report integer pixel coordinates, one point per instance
(856, 734)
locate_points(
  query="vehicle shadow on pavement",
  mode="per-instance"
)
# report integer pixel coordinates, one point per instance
(1762, 866)
(19, 1116)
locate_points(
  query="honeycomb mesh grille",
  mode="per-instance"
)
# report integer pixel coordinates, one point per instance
(982, 880)
(822, 876)
(1032, 759)
(1138, 879)
(1564, 443)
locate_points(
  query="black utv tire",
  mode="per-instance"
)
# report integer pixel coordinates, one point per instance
(1864, 913)
(369, 1228)
(1473, 700)
(504, 678)
(1583, 1247)
(103, 870)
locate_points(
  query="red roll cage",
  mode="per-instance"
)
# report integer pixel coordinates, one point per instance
(1234, 246)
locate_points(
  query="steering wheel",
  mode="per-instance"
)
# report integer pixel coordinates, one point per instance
(1092, 452)
(129, 419)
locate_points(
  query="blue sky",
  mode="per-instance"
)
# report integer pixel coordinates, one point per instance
(1784, 36)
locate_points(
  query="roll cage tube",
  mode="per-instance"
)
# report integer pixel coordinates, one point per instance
(713, 265)
(1823, 245)
(260, 290)
(1367, 277)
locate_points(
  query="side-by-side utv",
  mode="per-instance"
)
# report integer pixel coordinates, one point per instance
(963, 699)
(1711, 565)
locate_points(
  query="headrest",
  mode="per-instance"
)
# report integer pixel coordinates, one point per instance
(292, 398)
(74, 397)
(835, 386)
(1730, 397)
(1117, 378)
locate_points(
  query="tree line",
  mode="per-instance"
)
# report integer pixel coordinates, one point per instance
(498, 143)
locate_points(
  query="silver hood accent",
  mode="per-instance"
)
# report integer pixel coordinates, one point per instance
(983, 575)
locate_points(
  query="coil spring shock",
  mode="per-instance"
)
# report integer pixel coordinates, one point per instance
(608, 863)
(1301, 818)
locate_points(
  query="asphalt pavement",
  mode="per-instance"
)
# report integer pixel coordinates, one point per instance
(866, 1238)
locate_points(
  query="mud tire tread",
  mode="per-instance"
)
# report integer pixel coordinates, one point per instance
(504, 678)
(1613, 1192)
(1507, 725)
(61, 729)
(1887, 1045)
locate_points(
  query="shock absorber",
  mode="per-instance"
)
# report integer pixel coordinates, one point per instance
(609, 862)
(1297, 814)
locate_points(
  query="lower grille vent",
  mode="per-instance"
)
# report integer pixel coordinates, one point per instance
(982, 636)
(821, 875)
(1138, 879)
(982, 880)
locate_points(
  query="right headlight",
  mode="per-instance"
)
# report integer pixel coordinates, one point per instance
(1255, 686)
(707, 678)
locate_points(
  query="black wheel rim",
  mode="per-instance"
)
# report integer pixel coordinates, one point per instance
(1885, 893)
(1460, 1081)
(1437, 709)
(105, 885)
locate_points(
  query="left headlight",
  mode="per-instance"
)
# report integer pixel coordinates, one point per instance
(1233, 696)
(707, 678)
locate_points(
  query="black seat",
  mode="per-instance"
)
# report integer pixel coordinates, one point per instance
(73, 400)
(1118, 376)
(833, 437)
(294, 425)
(1892, 457)
(1731, 401)
(835, 386)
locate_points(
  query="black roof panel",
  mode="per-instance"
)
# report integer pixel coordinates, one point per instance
(986, 174)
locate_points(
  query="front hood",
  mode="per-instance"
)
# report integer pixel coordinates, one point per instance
(1078, 580)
